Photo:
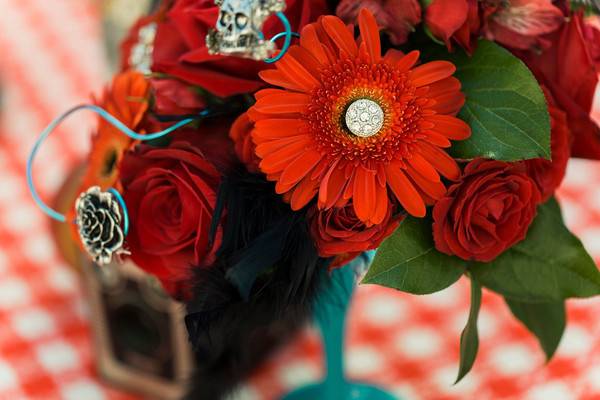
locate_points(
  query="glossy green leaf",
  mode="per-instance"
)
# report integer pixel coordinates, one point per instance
(550, 265)
(545, 320)
(469, 338)
(408, 261)
(505, 106)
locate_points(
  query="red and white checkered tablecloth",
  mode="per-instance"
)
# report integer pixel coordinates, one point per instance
(52, 59)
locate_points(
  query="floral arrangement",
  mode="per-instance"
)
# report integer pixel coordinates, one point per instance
(433, 131)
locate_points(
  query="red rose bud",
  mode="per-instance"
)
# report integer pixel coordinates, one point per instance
(180, 48)
(240, 133)
(486, 212)
(173, 97)
(338, 231)
(171, 194)
(397, 17)
(549, 174)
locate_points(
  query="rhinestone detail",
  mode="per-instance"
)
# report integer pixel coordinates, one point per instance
(364, 118)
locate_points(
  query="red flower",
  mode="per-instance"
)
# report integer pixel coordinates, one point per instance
(397, 17)
(455, 20)
(245, 149)
(171, 194)
(487, 212)
(173, 97)
(591, 34)
(351, 124)
(338, 231)
(568, 70)
(180, 48)
(521, 23)
(549, 174)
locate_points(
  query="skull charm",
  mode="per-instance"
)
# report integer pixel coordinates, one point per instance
(239, 28)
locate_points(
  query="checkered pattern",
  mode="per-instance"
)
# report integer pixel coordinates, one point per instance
(51, 60)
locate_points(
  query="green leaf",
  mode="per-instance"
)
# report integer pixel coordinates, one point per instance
(505, 106)
(545, 320)
(550, 265)
(469, 338)
(408, 261)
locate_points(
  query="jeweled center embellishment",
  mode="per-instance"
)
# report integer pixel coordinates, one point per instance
(364, 118)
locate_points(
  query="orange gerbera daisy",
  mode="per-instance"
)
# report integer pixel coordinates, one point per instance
(351, 124)
(127, 100)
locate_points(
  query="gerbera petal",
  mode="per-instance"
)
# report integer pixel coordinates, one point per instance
(445, 86)
(393, 56)
(307, 59)
(267, 92)
(424, 167)
(275, 77)
(338, 32)
(408, 61)
(267, 147)
(431, 72)
(451, 127)
(300, 167)
(437, 139)
(303, 193)
(324, 187)
(449, 103)
(309, 40)
(381, 205)
(369, 33)
(295, 71)
(282, 103)
(435, 190)
(445, 164)
(278, 160)
(364, 193)
(277, 128)
(404, 191)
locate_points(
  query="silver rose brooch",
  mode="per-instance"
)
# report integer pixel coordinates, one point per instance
(99, 224)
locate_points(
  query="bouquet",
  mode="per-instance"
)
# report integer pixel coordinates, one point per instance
(239, 154)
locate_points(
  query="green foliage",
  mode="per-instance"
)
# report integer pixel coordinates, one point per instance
(549, 266)
(505, 105)
(545, 320)
(408, 261)
(469, 338)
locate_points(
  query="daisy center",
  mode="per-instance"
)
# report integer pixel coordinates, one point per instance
(364, 118)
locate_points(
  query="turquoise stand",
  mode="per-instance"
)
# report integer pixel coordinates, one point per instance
(331, 307)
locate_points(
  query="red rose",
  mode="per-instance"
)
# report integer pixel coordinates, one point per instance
(397, 17)
(549, 174)
(338, 231)
(568, 70)
(521, 23)
(170, 194)
(240, 133)
(455, 20)
(180, 48)
(173, 97)
(486, 212)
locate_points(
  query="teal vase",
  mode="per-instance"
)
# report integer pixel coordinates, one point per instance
(331, 308)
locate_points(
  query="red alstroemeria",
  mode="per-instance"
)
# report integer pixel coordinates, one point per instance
(568, 70)
(397, 17)
(520, 24)
(457, 21)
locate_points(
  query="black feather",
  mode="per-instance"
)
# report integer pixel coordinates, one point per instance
(258, 293)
